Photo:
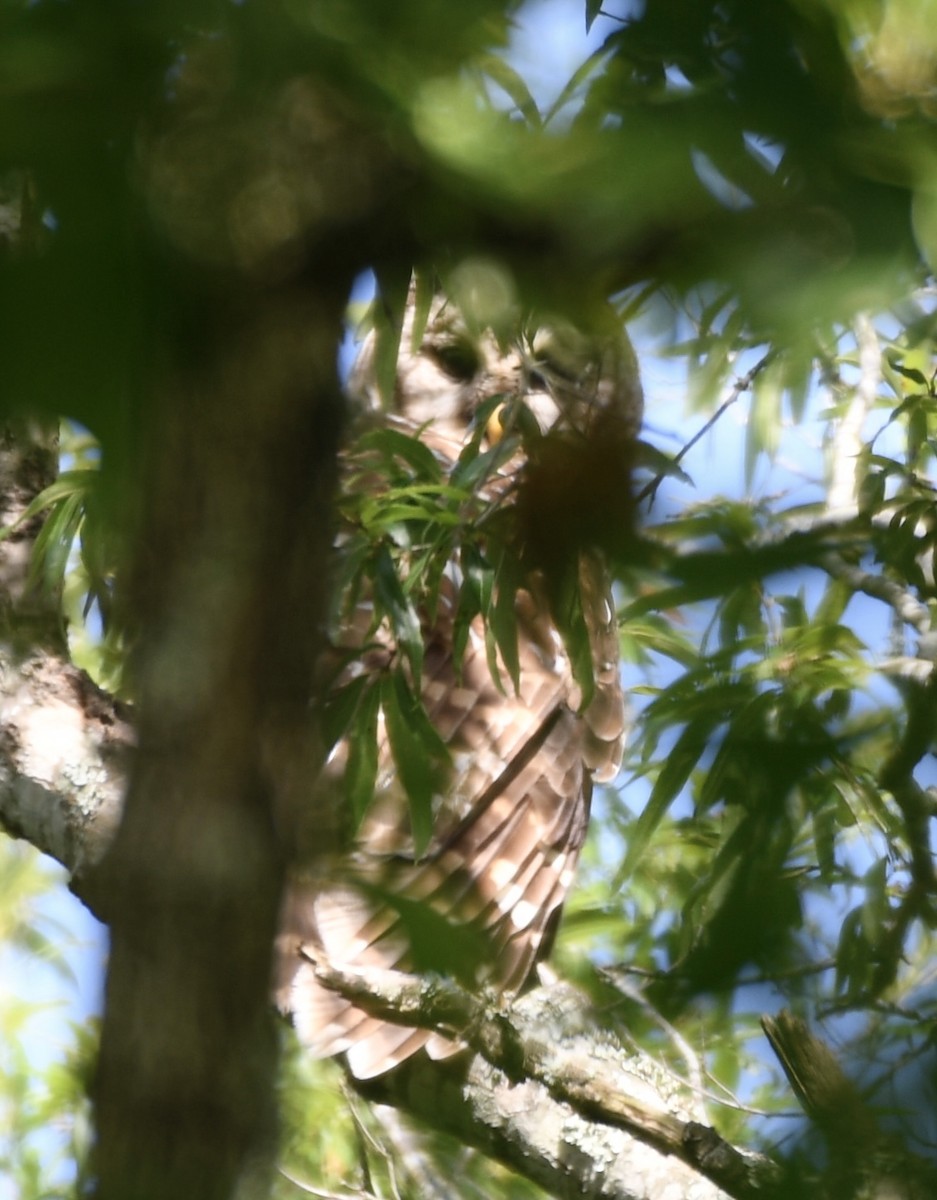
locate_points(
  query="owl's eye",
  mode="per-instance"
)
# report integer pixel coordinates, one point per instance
(457, 358)
(560, 353)
(537, 380)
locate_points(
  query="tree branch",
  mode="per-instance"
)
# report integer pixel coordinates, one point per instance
(540, 1064)
(863, 1160)
(64, 744)
(65, 748)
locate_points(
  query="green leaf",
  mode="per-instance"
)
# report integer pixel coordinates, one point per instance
(798, 377)
(853, 956)
(675, 772)
(341, 707)
(361, 770)
(424, 292)
(654, 633)
(508, 79)
(436, 945)
(875, 908)
(502, 618)
(389, 307)
(420, 756)
(659, 463)
(763, 433)
(566, 602)
(55, 540)
(402, 615)
(67, 486)
(824, 838)
(474, 467)
(581, 75)
(393, 444)
(911, 373)
(475, 597)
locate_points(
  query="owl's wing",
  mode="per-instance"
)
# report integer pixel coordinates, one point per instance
(492, 885)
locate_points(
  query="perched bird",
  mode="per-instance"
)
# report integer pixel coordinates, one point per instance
(529, 437)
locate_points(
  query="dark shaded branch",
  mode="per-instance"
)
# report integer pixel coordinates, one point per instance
(897, 777)
(863, 1160)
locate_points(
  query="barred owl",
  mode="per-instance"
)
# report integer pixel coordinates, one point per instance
(547, 419)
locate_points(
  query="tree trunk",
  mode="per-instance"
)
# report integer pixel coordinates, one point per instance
(228, 596)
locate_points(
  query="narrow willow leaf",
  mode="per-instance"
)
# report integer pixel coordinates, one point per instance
(419, 755)
(571, 622)
(393, 443)
(875, 908)
(361, 770)
(764, 419)
(798, 378)
(592, 66)
(655, 460)
(911, 373)
(403, 618)
(474, 598)
(593, 8)
(424, 291)
(511, 82)
(852, 956)
(824, 839)
(674, 774)
(55, 540)
(66, 486)
(436, 944)
(389, 306)
(654, 633)
(340, 708)
(502, 619)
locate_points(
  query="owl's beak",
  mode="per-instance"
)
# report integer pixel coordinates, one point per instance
(514, 416)
(494, 426)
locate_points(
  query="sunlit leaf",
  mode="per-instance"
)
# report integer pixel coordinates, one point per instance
(507, 78)
(763, 430)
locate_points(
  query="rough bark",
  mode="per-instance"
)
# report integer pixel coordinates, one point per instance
(63, 742)
(547, 1088)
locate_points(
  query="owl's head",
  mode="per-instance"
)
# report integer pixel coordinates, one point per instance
(534, 378)
(565, 403)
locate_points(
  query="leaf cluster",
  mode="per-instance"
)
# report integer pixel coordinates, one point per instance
(405, 518)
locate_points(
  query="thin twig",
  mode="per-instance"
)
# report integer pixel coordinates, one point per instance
(740, 386)
(322, 1194)
(906, 606)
